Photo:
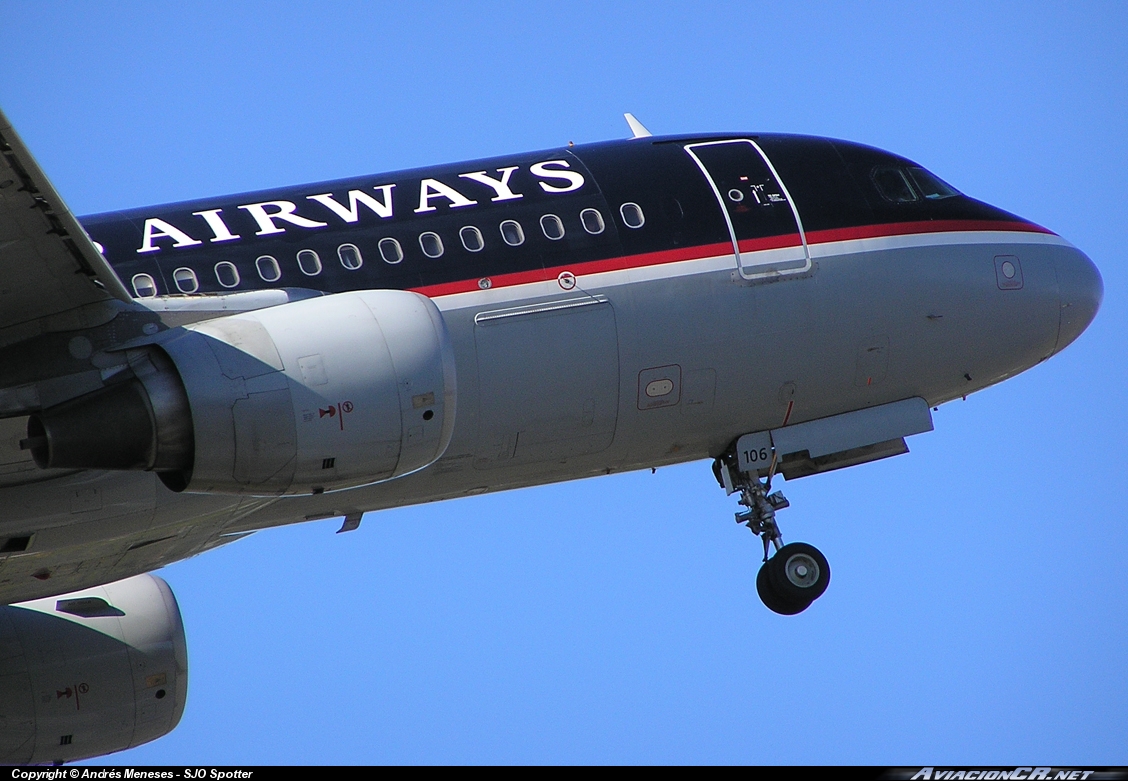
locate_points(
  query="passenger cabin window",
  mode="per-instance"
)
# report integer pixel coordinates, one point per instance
(144, 286)
(350, 256)
(185, 279)
(893, 185)
(226, 273)
(592, 221)
(431, 244)
(309, 262)
(632, 215)
(512, 234)
(268, 268)
(552, 226)
(931, 186)
(390, 251)
(472, 238)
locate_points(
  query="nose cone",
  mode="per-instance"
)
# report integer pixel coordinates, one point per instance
(1081, 290)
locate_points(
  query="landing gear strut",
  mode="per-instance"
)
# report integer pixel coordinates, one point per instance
(798, 573)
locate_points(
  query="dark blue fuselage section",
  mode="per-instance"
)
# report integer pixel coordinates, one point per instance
(831, 183)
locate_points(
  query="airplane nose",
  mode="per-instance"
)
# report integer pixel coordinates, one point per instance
(1081, 289)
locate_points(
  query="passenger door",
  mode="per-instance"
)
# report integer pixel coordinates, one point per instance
(763, 223)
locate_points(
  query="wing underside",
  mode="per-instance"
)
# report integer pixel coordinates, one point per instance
(50, 270)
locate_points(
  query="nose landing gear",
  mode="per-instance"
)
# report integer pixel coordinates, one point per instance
(798, 573)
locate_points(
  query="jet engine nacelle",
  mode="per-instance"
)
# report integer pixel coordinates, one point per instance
(314, 395)
(90, 673)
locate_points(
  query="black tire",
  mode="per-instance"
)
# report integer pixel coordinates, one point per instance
(772, 600)
(791, 576)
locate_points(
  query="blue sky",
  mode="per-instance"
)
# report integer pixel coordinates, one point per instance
(978, 607)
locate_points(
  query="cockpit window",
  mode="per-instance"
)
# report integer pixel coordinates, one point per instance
(893, 185)
(931, 186)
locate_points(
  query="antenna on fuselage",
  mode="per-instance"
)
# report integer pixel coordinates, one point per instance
(637, 127)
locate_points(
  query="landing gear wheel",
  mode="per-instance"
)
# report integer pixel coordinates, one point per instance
(772, 599)
(798, 573)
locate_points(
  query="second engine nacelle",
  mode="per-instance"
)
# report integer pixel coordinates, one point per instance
(309, 396)
(90, 673)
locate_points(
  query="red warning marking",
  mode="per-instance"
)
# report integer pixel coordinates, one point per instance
(74, 691)
(337, 411)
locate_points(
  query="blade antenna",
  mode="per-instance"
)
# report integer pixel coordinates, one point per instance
(637, 127)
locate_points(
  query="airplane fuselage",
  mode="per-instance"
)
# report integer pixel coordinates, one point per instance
(610, 307)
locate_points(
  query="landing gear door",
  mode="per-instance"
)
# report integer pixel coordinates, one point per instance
(767, 234)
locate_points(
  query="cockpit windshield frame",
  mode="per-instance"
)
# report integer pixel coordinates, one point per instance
(931, 186)
(910, 184)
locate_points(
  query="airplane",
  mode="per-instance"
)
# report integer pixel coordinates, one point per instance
(177, 377)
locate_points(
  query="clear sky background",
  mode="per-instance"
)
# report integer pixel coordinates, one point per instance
(977, 611)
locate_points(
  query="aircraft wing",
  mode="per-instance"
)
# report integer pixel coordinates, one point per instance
(36, 575)
(48, 265)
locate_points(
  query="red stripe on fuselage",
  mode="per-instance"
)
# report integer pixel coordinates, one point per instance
(724, 248)
(924, 226)
(589, 267)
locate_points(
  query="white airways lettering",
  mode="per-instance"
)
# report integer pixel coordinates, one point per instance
(356, 197)
(575, 181)
(274, 217)
(218, 227)
(433, 188)
(284, 210)
(159, 229)
(499, 186)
